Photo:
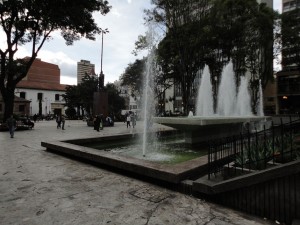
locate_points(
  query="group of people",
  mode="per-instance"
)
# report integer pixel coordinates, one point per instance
(60, 121)
(131, 119)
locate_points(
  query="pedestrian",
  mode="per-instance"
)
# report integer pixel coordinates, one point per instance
(58, 121)
(128, 120)
(133, 119)
(35, 117)
(11, 123)
(97, 123)
(101, 122)
(63, 120)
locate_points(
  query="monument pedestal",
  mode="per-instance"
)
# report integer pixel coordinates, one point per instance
(100, 104)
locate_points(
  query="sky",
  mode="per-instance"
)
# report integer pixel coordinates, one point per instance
(124, 22)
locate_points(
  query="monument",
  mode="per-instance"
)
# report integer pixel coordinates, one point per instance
(100, 101)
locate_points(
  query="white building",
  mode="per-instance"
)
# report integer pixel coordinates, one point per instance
(42, 85)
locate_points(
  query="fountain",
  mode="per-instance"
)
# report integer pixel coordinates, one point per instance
(204, 106)
(227, 93)
(233, 111)
(230, 102)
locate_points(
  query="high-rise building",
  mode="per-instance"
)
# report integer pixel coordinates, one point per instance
(84, 67)
(288, 79)
(290, 54)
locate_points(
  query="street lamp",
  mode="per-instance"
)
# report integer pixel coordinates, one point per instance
(101, 76)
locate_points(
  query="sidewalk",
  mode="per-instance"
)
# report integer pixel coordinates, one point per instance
(41, 188)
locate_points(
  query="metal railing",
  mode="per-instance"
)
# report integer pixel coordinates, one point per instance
(253, 150)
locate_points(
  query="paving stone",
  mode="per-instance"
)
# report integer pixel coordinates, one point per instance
(41, 188)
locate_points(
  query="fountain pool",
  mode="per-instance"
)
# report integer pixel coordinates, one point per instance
(167, 150)
(167, 168)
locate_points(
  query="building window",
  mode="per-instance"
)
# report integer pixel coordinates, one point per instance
(21, 108)
(23, 94)
(39, 96)
(56, 97)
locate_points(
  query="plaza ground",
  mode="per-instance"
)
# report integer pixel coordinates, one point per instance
(41, 188)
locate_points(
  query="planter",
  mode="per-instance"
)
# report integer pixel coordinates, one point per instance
(232, 170)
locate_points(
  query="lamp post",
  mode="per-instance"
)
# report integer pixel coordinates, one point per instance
(100, 100)
(101, 76)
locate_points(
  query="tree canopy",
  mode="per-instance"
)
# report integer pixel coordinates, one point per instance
(213, 32)
(32, 22)
(133, 76)
(81, 97)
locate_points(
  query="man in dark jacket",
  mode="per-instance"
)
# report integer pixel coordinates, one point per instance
(11, 124)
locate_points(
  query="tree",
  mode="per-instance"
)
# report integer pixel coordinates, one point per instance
(133, 77)
(247, 40)
(115, 101)
(86, 90)
(213, 33)
(82, 95)
(73, 100)
(33, 22)
(181, 53)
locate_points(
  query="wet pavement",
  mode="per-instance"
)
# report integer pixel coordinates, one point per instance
(41, 188)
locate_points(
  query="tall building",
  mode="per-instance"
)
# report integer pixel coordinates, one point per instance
(84, 67)
(290, 54)
(288, 79)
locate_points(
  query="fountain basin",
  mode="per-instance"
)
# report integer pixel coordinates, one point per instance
(172, 173)
(200, 129)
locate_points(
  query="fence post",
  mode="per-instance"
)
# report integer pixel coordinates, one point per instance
(281, 139)
(273, 142)
(265, 148)
(249, 154)
(208, 158)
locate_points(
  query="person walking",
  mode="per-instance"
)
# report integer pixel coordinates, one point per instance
(133, 119)
(63, 120)
(97, 123)
(128, 120)
(58, 121)
(11, 124)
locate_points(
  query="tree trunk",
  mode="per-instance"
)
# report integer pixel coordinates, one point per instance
(8, 100)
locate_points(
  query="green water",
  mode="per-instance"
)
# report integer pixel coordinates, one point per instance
(166, 150)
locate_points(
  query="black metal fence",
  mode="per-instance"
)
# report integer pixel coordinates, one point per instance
(254, 150)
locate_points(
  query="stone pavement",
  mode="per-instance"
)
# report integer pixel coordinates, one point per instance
(41, 188)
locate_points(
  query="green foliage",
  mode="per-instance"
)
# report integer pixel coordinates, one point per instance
(133, 76)
(256, 155)
(71, 113)
(82, 95)
(115, 101)
(212, 33)
(32, 22)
